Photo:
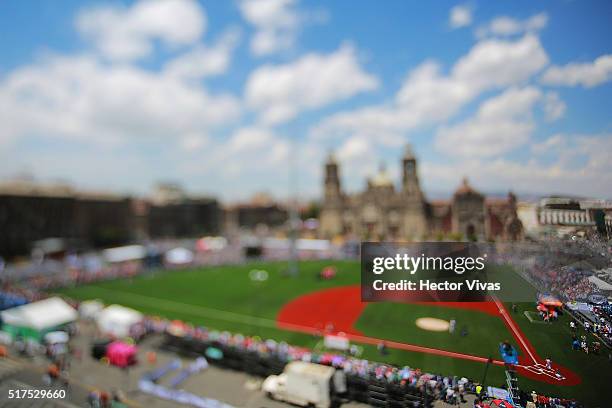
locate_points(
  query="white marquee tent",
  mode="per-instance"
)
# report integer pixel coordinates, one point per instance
(35, 319)
(117, 321)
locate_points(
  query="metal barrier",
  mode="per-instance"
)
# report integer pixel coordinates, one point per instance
(372, 391)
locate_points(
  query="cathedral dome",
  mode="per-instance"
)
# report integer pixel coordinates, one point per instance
(382, 178)
(466, 189)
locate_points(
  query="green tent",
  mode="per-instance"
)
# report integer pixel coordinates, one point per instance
(34, 320)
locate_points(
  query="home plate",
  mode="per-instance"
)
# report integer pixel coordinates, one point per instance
(432, 324)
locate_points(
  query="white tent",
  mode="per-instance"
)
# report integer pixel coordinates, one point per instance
(117, 320)
(179, 256)
(42, 315)
(124, 253)
(600, 283)
(56, 337)
(90, 309)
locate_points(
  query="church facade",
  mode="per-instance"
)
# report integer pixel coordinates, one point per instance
(382, 212)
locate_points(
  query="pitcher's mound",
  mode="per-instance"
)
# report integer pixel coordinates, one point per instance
(432, 324)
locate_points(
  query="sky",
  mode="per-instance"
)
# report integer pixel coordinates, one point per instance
(231, 98)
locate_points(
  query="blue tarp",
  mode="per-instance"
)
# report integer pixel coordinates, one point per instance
(508, 354)
(9, 300)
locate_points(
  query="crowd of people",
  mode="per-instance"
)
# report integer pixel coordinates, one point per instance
(547, 271)
(447, 388)
(102, 399)
(600, 328)
(562, 266)
(543, 401)
(72, 267)
(450, 389)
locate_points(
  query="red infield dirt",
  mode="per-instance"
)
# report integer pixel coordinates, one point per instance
(336, 310)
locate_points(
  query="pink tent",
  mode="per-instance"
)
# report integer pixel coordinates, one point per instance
(121, 354)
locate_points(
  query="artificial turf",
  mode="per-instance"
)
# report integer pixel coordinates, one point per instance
(481, 335)
(224, 297)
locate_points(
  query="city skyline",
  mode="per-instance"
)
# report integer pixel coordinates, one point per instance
(224, 96)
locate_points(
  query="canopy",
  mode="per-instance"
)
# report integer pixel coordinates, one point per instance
(549, 300)
(501, 404)
(211, 244)
(124, 253)
(90, 309)
(179, 256)
(117, 320)
(121, 354)
(600, 283)
(57, 337)
(42, 315)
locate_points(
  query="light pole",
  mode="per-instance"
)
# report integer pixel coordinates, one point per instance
(293, 210)
(484, 377)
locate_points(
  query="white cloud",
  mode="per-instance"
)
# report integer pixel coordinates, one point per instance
(280, 92)
(460, 16)
(530, 178)
(573, 150)
(586, 74)
(358, 161)
(554, 107)
(507, 26)
(429, 97)
(121, 33)
(250, 139)
(498, 63)
(355, 148)
(79, 98)
(551, 143)
(203, 61)
(501, 124)
(194, 142)
(577, 164)
(277, 23)
(247, 154)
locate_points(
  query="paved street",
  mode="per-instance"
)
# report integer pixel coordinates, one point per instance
(231, 387)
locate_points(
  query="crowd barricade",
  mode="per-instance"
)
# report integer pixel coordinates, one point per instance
(381, 393)
(357, 387)
(369, 389)
(233, 358)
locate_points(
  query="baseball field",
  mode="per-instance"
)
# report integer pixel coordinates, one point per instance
(299, 308)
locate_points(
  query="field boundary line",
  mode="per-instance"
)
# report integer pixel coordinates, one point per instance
(194, 310)
(517, 332)
(532, 320)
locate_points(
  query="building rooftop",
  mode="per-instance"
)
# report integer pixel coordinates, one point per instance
(465, 188)
(382, 178)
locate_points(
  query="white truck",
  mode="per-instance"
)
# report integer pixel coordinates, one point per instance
(306, 385)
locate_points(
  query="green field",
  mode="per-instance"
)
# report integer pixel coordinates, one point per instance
(395, 321)
(225, 298)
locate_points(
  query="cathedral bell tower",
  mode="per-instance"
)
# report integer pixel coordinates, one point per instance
(332, 180)
(331, 211)
(410, 178)
(414, 220)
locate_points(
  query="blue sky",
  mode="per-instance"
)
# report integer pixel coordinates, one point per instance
(227, 97)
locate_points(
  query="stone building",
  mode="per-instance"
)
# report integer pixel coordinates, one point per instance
(261, 212)
(568, 215)
(382, 212)
(31, 212)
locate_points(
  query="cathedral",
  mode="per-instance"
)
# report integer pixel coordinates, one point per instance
(385, 213)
